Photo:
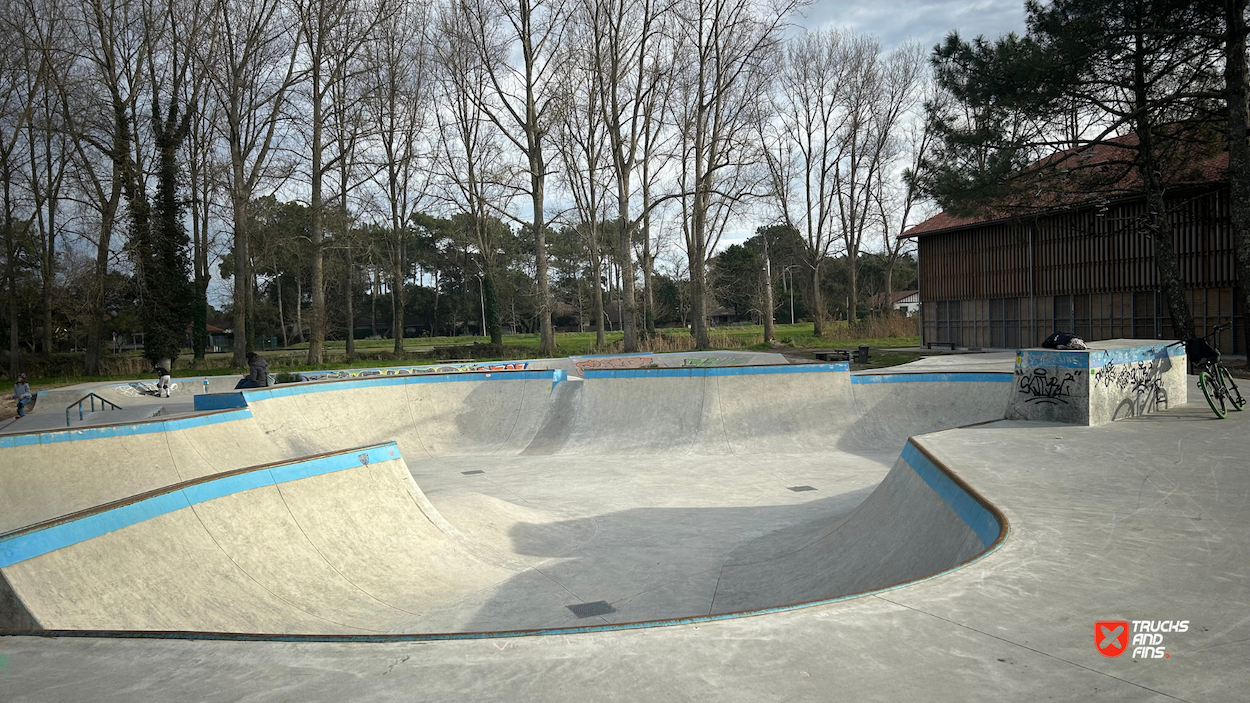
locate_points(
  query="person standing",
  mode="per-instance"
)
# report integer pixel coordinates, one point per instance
(21, 393)
(162, 382)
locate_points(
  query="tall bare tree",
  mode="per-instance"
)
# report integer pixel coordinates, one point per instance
(400, 108)
(254, 71)
(333, 36)
(725, 46)
(526, 94)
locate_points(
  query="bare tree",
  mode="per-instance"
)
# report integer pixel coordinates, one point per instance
(582, 142)
(626, 37)
(803, 143)
(399, 105)
(470, 168)
(525, 97)
(724, 46)
(333, 36)
(254, 71)
(880, 88)
(98, 99)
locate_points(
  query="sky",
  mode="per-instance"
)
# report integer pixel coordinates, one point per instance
(896, 22)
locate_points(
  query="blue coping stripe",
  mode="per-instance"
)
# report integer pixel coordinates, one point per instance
(980, 520)
(1095, 358)
(554, 375)
(715, 371)
(27, 545)
(950, 377)
(181, 423)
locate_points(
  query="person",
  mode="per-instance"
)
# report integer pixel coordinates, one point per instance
(21, 393)
(257, 372)
(162, 381)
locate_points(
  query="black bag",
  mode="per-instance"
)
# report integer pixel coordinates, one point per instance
(1056, 339)
(1199, 351)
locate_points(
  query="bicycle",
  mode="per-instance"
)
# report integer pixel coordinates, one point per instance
(1213, 378)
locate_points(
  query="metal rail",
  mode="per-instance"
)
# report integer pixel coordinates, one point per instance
(104, 404)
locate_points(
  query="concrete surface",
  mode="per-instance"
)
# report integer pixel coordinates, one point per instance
(1142, 519)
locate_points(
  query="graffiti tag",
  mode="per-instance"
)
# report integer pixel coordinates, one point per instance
(1041, 387)
(615, 362)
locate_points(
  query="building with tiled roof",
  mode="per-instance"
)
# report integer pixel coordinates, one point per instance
(1066, 252)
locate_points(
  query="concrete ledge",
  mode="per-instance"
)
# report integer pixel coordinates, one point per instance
(1111, 380)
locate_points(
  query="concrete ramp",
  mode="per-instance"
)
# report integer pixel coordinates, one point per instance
(341, 543)
(641, 494)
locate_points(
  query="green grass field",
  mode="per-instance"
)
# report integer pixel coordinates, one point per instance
(792, 339)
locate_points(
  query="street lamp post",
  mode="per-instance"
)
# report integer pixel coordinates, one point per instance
(481, 294)
(790, 288)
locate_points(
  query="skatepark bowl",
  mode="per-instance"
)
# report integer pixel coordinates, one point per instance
(490, 504)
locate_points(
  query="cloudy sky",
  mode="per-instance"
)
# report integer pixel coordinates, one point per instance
(927, 21)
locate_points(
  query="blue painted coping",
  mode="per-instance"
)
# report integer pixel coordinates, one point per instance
(715, 371)
(219, 401)
(1095, 358)
(950, 377)
(980, 520)
(181, 423)
(553, 375)
(27, 545)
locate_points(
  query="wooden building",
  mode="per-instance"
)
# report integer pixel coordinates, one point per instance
(1009, 282)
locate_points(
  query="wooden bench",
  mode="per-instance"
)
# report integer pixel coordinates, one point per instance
(949, 345)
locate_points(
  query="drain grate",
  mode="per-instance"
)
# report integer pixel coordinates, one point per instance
(475, 471)
(800, 489)
(589, 610)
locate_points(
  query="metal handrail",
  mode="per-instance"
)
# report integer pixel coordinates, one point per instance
(93, 397)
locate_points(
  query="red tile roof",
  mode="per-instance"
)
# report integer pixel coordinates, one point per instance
(1082, 175)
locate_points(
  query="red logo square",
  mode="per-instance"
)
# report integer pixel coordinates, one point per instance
(1111, 637)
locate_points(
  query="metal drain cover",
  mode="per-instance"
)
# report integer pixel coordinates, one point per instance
(475, 471)
(799, 489)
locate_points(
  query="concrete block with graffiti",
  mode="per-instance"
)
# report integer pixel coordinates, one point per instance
(1111, 380)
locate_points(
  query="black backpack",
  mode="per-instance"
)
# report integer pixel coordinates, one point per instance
(1056, 339)
(1199, 351)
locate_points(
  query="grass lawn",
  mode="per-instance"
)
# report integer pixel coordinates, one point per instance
(793, 340)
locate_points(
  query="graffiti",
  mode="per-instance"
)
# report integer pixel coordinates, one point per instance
(614, 362)
(1042, 387)
(417, 370)
(707, 361)
(364, 459)
(1136, 377)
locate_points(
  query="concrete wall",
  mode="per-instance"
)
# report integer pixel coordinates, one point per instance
(1109, 381)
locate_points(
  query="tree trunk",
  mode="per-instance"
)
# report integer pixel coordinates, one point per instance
(299, 307)
(10, 275)
(277, 280)
(1236, 82)
(1156, 224)
(373, 303)
(852, 302)
(490, 297)
(698, 306)
(546, 335)
(629, 323)
(818, 302)
(350, 280)
(770, 334)
(317, 332)
(596, 271)
(242, 282)
(397, 307)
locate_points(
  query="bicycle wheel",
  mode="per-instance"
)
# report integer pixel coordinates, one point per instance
(1213, 392)
(1234, 394)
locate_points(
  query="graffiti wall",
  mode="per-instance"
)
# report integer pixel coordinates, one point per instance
(416, 370)
(1098, 385)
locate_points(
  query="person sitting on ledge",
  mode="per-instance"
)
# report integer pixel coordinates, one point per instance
(257, 372)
